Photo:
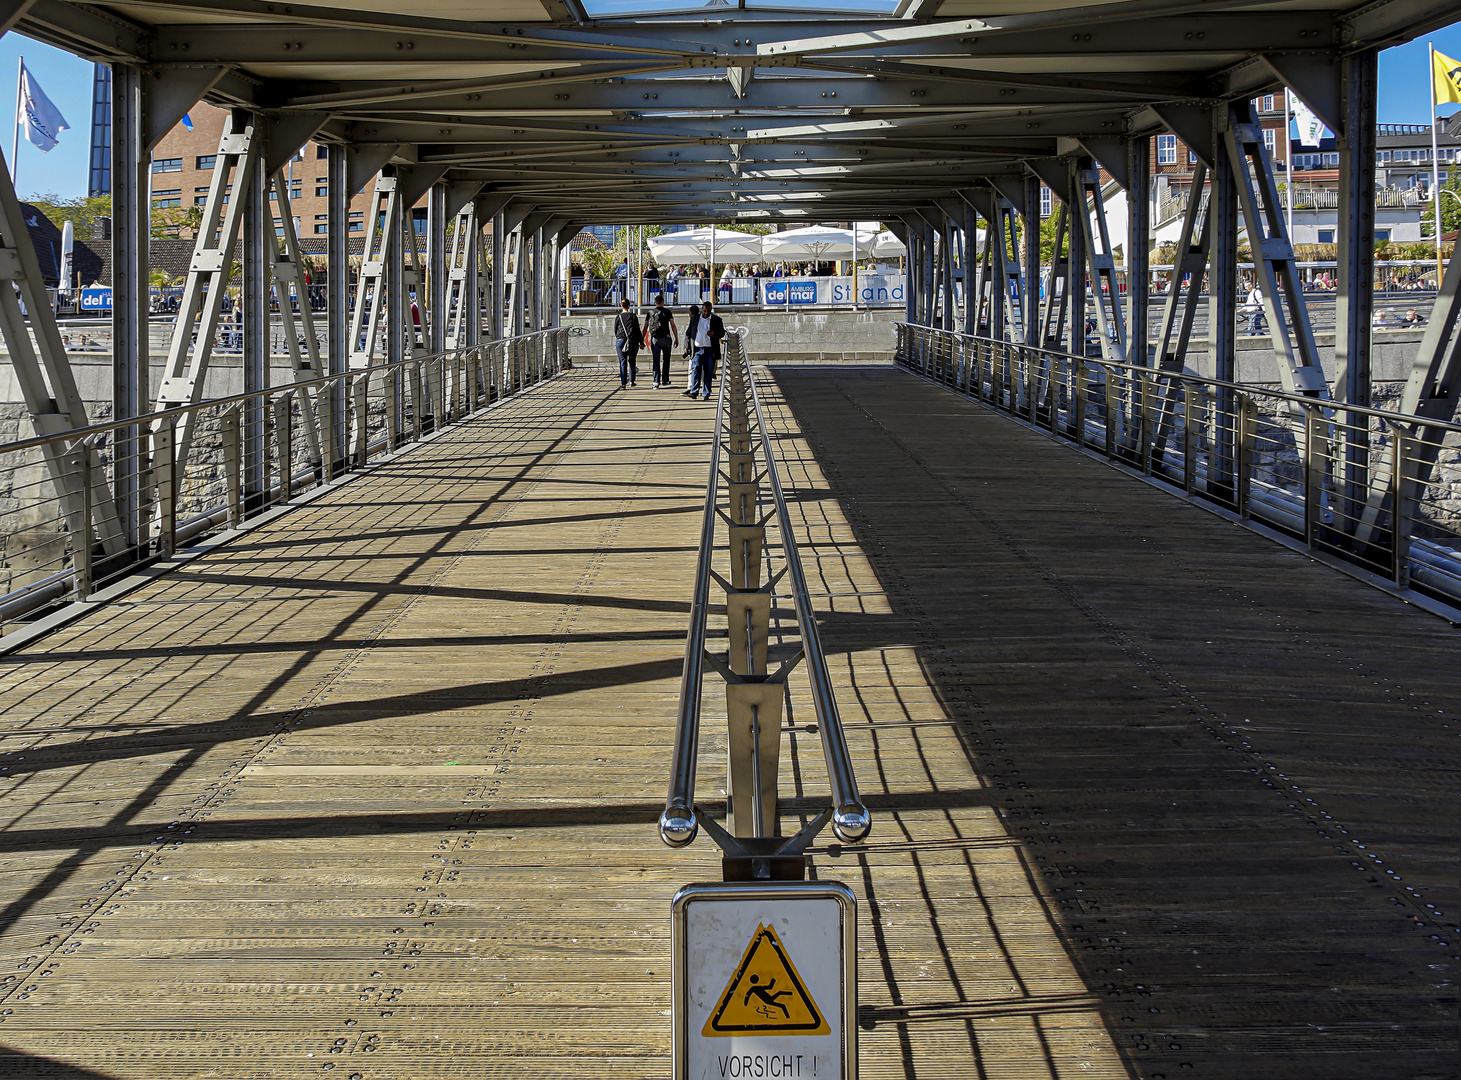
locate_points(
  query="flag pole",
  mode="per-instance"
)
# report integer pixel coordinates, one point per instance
(15, 136)
(1435, 165)
(1288, 159)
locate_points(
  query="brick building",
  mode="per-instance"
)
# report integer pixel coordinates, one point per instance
(182, 170)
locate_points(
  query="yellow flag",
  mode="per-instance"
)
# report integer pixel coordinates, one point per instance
(1447, 75)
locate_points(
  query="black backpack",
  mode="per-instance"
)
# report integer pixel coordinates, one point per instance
(659, 322)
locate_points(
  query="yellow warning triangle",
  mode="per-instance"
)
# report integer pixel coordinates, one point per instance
(765, 995)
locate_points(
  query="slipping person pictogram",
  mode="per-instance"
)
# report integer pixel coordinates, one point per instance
(765, 994)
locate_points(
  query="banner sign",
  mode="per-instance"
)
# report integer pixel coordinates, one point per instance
(781, 291)
(96, 299)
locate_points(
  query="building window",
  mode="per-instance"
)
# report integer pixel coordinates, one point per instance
(171, 164)
(322, 189)
(319, 229)
(322, 152)
(1045, 202)
(206, 161)
(200, 200)
(1268, 103)
(357, 226)
(1166, 149)
(1382, 236)
(1326, 236)
(163, 199)
(322, 217)
(1270, 141)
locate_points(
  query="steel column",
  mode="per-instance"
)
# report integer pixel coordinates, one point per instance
(434, 320)
(131, 348)
(1075, 285)
(258, 245)
(337, 311)
(1138, 247)
(499, 272)
(197, 322)
(1031, 214)
(1354, 300)
(947, 314)
(1222, 315)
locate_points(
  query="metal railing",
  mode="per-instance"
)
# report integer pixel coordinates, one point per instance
(1325, 473)
(754, 693)
(61, 534)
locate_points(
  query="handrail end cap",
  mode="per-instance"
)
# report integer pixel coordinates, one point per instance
(852, 822)
(678, 827)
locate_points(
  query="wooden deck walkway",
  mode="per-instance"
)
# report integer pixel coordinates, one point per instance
(370, 792)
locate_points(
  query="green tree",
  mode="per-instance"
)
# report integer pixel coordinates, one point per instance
(82, 211)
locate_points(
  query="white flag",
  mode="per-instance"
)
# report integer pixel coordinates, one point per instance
(1311, 128)
(43, 122)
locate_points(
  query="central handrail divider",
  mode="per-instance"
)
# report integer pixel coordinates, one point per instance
(752, 844)
(850, 819)
(677, 825)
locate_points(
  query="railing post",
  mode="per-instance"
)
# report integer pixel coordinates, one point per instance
(325, 422)
(1032, 390)
(81, 551)
(164, 471)
(996, 376)
(1146, 395)
(1078, 421)
(1313, 474)
(1112, 398)
(391, 392)
(359, 384)
(284, 444)
(1402, 520)
(1247, 437)
(416, 401)
(1190, 437)
(232, 462)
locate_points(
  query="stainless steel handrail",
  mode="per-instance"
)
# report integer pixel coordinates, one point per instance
(147, 419)
(850, 818)
(1387, 415)
(34, 595)
(677, 824)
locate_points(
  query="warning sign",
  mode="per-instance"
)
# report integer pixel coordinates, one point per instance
(765, 995)
(765, 981)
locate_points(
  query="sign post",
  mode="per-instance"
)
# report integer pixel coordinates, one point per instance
(765, 981)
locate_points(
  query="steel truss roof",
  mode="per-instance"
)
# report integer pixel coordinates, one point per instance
(724, 111)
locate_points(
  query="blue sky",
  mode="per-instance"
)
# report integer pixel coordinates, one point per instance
(1404, 99)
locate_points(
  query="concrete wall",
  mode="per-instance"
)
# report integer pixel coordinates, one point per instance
(771, 337)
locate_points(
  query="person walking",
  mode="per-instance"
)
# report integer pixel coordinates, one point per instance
(627, 336)
(659, 329)
(702, 341)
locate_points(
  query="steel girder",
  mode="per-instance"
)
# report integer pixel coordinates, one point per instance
(549, 99)
(198, 316)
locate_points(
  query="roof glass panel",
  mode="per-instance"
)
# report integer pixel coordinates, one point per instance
(608, 9)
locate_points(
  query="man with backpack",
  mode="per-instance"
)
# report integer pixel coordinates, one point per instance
(627, 336)
(659, 330)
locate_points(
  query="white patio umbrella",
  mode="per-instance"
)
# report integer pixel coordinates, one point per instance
(887, 246)
(706, 244)
(815, 242)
